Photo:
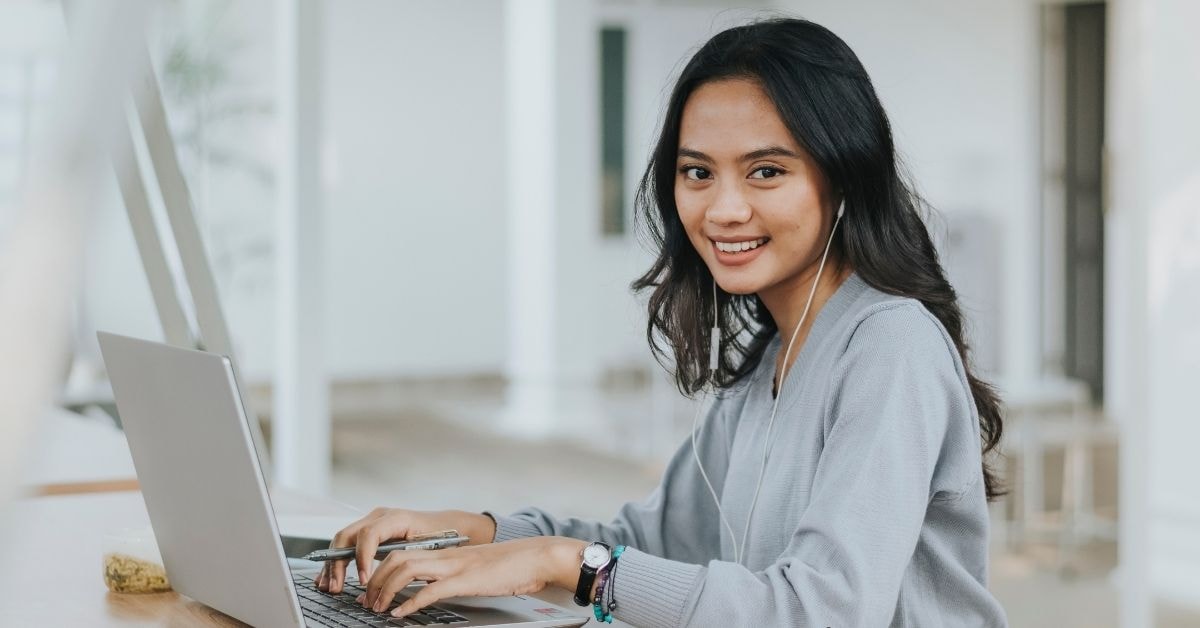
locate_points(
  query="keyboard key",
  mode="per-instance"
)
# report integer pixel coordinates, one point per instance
(315, 620)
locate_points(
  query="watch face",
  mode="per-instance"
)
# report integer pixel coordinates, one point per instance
(595, 556)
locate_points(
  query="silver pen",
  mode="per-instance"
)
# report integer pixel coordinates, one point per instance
(386, 548)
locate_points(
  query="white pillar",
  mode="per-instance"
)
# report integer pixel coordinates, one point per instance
(532, 175)
(300, 421)
(1153, 294)
(553, 215)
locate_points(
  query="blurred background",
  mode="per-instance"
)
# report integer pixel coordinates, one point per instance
(418, 218)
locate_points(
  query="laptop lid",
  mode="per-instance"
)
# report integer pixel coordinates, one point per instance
(200, 479)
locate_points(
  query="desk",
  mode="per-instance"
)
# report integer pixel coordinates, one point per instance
(84, 490)
(62, 585)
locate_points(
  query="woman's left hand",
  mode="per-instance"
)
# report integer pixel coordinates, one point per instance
(516, 567)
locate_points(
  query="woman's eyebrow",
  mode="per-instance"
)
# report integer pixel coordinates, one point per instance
(689, 153)
(769, 151)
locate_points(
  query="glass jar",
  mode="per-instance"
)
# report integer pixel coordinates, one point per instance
(132, 563)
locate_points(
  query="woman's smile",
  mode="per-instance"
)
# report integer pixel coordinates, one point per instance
(738, 251)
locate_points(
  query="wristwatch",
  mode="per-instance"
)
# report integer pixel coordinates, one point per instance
(595, 557)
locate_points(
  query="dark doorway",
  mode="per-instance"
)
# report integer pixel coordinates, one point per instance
(1083, 190)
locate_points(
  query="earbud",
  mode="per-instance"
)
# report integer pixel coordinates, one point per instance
(714, 337)
(842, 208)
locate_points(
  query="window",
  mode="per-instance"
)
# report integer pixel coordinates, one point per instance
(612, 130)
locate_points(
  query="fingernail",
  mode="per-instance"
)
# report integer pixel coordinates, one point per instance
(362, 597)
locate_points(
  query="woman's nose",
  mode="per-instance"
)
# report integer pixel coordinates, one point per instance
(729, 206)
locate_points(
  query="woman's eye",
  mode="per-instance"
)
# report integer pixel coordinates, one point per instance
(766, 172)
(696, 173)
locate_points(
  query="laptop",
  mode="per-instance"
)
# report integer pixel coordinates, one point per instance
(211, 512)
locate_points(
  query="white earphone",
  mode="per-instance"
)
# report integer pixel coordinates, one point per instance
(713, 362)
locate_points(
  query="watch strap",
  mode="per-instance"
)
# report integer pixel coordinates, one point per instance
(587, 576)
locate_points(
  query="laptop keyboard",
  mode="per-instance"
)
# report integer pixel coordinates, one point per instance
(341, 611)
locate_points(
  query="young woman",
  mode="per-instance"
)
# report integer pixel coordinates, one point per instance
(838, 478)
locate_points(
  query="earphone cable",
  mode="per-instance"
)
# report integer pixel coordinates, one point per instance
(782, 377)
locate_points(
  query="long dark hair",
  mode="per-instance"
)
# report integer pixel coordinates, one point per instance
(824, 96)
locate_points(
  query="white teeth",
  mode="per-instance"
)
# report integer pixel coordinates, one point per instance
(737, 247)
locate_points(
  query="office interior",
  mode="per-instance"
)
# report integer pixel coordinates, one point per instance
(419, 220)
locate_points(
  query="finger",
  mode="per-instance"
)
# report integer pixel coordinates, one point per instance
(393, 584)
(430, 569)
(323, 577)
(344, 538)
(429, 594)
(337, 573)
(366, 545)
(381, 575)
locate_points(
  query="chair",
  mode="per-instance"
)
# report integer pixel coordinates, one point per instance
(1046, 414)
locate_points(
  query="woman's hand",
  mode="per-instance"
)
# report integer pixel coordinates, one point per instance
(386, 524)
(515, 567)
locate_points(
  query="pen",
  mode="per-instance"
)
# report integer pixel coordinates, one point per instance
(386, 548)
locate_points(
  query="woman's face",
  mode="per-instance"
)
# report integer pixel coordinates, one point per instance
(753, 203)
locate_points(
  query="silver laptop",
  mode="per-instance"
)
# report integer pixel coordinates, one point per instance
(211, 512)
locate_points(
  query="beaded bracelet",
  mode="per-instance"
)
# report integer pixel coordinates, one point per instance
(598, 602)
(611, 602)
(604, 604)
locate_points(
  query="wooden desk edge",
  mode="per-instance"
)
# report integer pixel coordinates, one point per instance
(84, 488)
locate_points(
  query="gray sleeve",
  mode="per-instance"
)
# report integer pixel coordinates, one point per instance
(681, 504)
(893, 392)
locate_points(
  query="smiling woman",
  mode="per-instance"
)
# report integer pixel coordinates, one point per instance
(775, 201)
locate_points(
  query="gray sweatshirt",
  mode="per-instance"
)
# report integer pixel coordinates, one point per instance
(872, 510)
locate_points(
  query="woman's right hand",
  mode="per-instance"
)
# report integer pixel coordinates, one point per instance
(385, 524)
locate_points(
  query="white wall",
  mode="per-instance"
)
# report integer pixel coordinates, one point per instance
(415, 202)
